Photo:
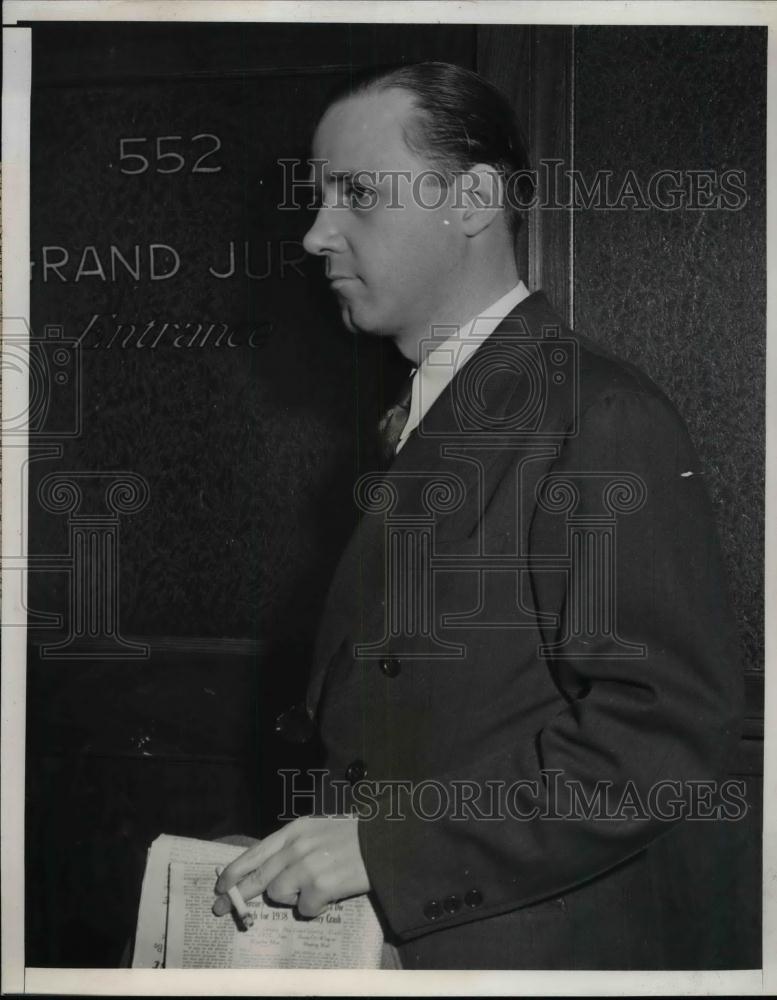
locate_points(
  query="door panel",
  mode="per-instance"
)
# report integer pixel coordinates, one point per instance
(206, 361)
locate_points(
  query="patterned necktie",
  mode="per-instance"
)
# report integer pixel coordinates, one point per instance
(394, 419)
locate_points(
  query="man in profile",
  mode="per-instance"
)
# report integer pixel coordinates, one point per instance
(530, 623)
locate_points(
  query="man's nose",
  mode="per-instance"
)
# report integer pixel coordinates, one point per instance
(324, 235)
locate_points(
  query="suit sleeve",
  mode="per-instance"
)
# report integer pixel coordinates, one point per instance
(627, 724)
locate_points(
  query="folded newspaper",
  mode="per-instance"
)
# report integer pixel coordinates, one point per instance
(177, 930)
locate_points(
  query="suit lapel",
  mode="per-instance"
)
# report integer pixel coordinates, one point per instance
(467, 416)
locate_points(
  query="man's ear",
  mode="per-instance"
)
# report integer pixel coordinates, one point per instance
(481, 197)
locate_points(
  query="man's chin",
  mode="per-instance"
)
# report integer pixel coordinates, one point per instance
(353, 321)
(348, 322)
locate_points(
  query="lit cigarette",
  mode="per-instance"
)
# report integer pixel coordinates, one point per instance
(241, 908)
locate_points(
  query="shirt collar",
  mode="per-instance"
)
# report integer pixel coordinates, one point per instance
(443, 360)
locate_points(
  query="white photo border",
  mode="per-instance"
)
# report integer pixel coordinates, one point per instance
(15, 284)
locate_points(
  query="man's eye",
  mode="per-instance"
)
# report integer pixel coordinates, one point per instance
(360, 196)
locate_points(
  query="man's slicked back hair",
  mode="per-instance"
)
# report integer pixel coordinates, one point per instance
(460, 120)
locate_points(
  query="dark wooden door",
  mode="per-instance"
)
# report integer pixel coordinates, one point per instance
(212, 370)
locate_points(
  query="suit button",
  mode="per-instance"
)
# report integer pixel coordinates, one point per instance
(473, 898)
(433, 910)
(355, 771)
(390, 666)
(452, 904)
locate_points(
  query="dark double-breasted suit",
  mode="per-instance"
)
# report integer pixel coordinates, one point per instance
(530, 614)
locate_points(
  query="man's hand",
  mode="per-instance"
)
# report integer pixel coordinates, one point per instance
(309, 863)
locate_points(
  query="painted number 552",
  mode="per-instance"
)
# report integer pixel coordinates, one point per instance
(136, 156)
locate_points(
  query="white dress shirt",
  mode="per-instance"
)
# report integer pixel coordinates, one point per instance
(442, 360)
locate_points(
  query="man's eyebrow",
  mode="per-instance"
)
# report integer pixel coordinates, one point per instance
(343, 175)
(317, 175)
(349, 173)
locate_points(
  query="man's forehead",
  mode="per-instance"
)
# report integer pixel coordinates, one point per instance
(365, 132)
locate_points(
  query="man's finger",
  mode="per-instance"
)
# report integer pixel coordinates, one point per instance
(222, 905)
(296, 875)
(250, 860)
(312, 887)
(254, 883)
(287, 899)
(312, 902)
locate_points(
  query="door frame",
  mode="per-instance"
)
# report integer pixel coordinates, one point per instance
(533, 65)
